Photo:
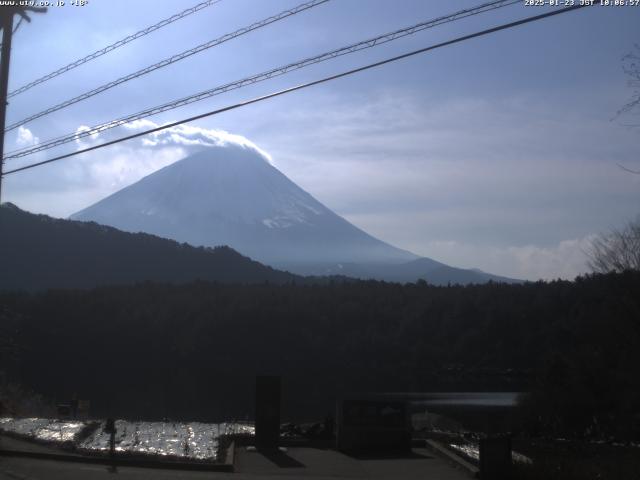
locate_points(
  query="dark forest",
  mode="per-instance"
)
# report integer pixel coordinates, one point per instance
(192, 351)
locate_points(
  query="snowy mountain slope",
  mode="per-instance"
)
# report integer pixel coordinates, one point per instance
(231, 195)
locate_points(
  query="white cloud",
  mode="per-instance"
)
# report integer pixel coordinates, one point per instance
(567, 259)
(25, 137)
(411, 168)
(88, 140)
(190, 137)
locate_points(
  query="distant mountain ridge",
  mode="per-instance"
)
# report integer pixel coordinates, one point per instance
(424, 268)
(231, 195)
(39, 252)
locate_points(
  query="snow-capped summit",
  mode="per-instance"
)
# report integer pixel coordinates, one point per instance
(232, 195)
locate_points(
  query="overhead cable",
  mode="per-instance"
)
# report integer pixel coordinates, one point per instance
(113, 46)
(304, 85)
(365, 44)
(169, 61)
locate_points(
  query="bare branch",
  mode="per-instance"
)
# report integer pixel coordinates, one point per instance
(637, 172)
(631, 68)
(617, 251)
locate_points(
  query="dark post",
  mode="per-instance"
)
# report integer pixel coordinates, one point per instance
(6, 23)
(74, 405)
(495, 458)
(110, 428)
(7, 27)
(267, 411)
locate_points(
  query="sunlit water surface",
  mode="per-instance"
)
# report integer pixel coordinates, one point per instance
(189, 440)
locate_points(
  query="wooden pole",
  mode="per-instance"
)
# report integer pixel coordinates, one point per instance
(7, 33)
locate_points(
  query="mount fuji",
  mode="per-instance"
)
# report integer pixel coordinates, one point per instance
(231, 195)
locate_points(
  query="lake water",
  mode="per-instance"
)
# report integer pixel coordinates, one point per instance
(462, 399)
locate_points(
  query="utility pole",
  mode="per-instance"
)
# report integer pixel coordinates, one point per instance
(6, 19)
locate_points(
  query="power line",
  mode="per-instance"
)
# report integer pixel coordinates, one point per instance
(6, 20)
(113, 46)
(264, 76)
(365, 44)
(306, 85)
(171, 60)
(15, 29)
(6, 23)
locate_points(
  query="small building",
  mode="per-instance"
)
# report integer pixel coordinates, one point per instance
(373, 424)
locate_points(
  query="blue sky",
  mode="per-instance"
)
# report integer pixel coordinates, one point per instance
(499, 153)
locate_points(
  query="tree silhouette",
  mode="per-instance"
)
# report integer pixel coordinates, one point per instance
(631, 67)
(617, 251)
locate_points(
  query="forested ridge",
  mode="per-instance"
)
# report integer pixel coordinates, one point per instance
(191, 351)
(85, 254)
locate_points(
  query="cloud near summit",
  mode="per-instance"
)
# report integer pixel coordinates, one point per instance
(191, 138)
(75, 183)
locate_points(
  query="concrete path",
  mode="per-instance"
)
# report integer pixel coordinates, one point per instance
(10, 443)
(251, 465)
(15, 468)
(298, 462)
(307, 462)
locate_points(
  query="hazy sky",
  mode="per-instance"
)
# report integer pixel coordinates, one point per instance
(499, 153)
